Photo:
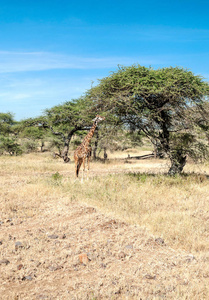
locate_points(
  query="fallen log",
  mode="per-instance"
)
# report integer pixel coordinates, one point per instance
(140, 156)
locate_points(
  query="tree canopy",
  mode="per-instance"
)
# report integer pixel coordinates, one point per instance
(166, 104)
(66, 119)
(8, 127)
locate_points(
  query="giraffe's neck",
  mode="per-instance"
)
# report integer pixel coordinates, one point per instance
(88, 138)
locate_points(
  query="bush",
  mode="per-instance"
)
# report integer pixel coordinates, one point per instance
(30, 146)
(9, 145)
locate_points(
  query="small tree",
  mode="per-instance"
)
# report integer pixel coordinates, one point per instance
(33, 136)
(167, 105)
(8, 142)
(9, 145)
(6, 123)
(64, 120)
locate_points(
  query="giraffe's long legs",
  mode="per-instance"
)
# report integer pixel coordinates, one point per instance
(76, 168)
(78, 163)
(84, 150)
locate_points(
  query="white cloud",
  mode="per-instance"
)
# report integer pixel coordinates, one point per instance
(11, 62)
(28, 94)
(40, 61)
(167, 34)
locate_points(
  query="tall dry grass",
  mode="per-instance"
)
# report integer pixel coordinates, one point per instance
(176, 209)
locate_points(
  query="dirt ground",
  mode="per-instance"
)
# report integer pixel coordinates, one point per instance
(121, 260)
(68, 250)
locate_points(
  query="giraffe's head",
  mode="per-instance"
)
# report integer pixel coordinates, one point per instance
(98, 119)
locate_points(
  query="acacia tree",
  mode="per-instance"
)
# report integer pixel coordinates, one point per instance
(167, 105)
(33, 135)
(64, 120)
(8, 134)
(6, 123)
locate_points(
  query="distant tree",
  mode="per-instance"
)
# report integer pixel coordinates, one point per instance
(6, 122)
(114, 138)
(9, 145)
(203, 122)
(8, 140)
(64, 120)
(34, 136)
(56, 142)
(167, 105)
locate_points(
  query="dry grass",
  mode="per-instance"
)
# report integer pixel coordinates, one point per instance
(146, 234)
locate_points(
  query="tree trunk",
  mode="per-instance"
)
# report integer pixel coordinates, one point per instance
(105, 154)
(65, 150)
(64, 153)
(178, 161)
(42, 146)
(158, 152)
(96, 145)
(67, 140)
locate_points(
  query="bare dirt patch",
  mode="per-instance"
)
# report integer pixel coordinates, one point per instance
(123, 260)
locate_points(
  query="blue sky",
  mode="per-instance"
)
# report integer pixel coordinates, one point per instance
(52, 51)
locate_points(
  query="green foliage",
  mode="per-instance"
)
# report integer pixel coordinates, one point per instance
(70, 115)
(189, 144)
(9, 145)
(55, 142)
(29, 146)
(56, 178)
(63, 121)
(157, 180)
(136, 91)
(7, 118)
(6, 122)
(172, 83)
(167, 105)
(142, 177)
(34, 133)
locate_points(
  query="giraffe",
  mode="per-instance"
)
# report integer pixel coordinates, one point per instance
(84, 150)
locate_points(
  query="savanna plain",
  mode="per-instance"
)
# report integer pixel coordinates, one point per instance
(129, 232)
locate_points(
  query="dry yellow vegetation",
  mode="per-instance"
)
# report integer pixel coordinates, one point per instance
(145, 235)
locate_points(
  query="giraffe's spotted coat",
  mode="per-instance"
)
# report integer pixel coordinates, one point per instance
(83, 151)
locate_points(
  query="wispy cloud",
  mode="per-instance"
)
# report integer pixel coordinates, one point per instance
(167, 34)
(40, 61)
(27, 91)
(29, 97)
